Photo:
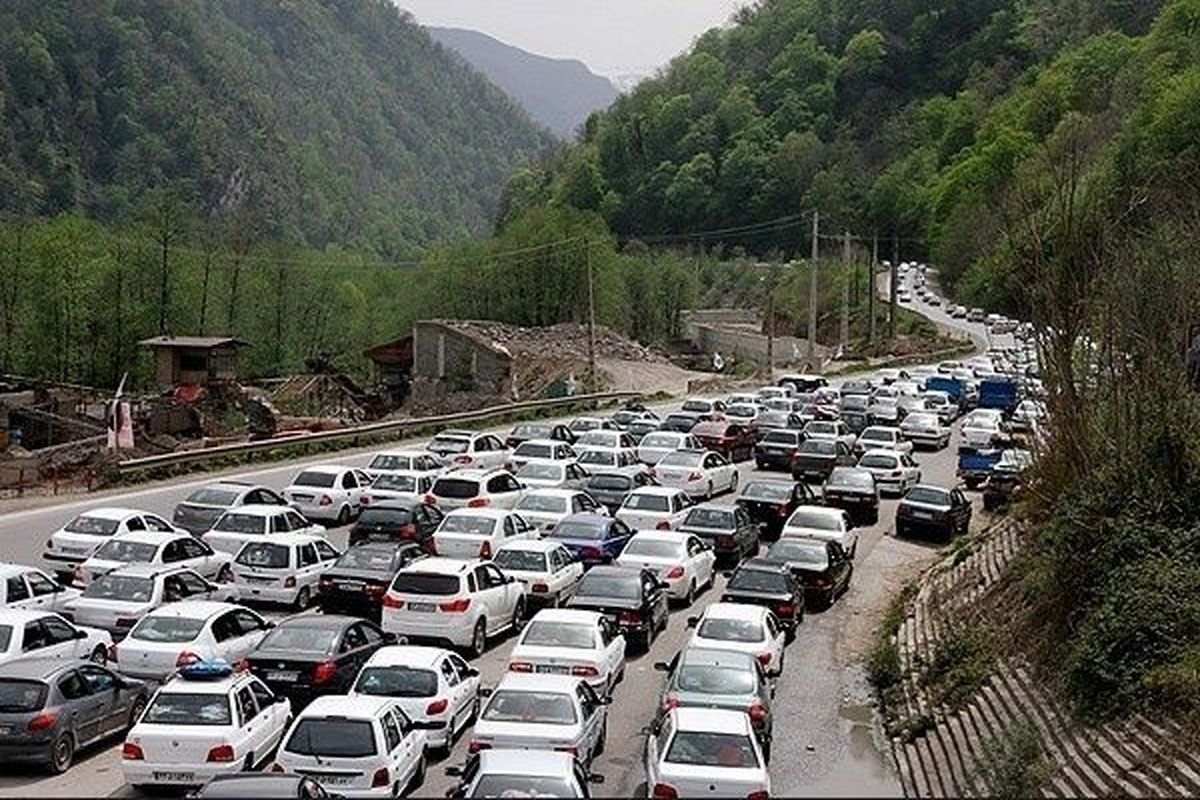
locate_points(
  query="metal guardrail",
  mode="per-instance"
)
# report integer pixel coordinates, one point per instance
(372, 429)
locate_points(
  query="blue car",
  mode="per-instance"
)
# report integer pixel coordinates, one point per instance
(592, 538)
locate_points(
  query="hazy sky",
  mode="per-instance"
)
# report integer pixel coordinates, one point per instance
(613, 37)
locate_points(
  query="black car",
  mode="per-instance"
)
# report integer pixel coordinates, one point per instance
(539, 430)
(727, 529)
(635, 598)
(394, 521)
(934, 512)
(853, 490)
(683, 421)
(816, 458)
(822, 568)
(859, 387)
(263, 786)
(770, 503)
(358, 580)
(856, 412)
(631, 414)
(770, 584)
(50, 708)
(610, 489)
(776, 449)
(310, 655)
(640, 427)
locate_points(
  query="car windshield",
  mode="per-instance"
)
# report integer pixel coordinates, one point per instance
(521, 560)
(320, 480)
(167, 630)
(397, 681)
(300, 639)
(781, 437)
(332, 738)
(514, 786)
(179, 708)
(545, 633)
(743, 411)
(540, 472)
(718, 518)
(681, 458)
(809, 554)
(531, 450)
(659, 440)
(647, 502)
(126, 552)
(395, 483)
(877, 436)
(213, 497)
(759, 580)
(730, 630)
(585, 424)
(929, 495)
(545, 708)
(456, 488)
(541, 502)
(821, 429)
(568, 529)
(468, 525)
(120, 587)
(18, 696)
(818, 447)
(596, 584)
(449, 444)
(610, 482)
(233, 522)
(697, 406)
(96, 526)
(385, 462)
(425, 583)
(653, 548)
(367, 558)
(714, 679)
(774, 492)
(264, 555)
(851, 479)
(712, 749)
(383, 515)
(606, 458)
(814, 519)
(879, 461)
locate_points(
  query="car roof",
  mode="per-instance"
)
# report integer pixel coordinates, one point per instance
(407, 655)
(442, 565)
(339, 705)
(331, 469)
(691, 718)
(472, 474)
(614, 570)
(734, 611)
(147, 570)
(575, 616)
(660, 536)
(542, 763)
(564, 684)
(661, 491)
(486, 513)
(286, 539)
(716, 657)
(148, 537)
(111, 512)
(194, 609)
(547, 442)
(930, 487)
(258, 509)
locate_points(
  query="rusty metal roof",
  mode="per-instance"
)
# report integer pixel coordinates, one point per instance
(193, 342)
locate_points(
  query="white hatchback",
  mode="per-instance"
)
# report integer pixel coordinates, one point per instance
(925, 429)
(329, 493)
(478, 532)
(894, 472)
(746, 628)
(283, 569)
(828, 524)
(706, 752)
(583, 644)
(179, 634)
(472, 488)
(71, 544)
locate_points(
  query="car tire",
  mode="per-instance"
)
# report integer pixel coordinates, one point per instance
(733, 483)
(709, 494)
(518, 618)
(598, 750)
(303, 598)
(62, 754)
(690, 597)
(99, 655)
(135, 711)
(766, 751)
(478, 639)
(343, 517)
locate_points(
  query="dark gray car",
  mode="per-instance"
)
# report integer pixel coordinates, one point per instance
(610, 487)
(50, 709)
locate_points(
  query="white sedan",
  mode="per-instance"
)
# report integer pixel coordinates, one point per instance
(926, 430)
(749, 629)
(546, 568)
(706, 752)
(252, 523)
(33, 590)
(329, 493)
(583, 644)
(178, 634)
(420, 462)
(71, 544)
(469, 450)
(654, 446)
(551, 475)
(982, 429)
(894, 472)
(543, 712)
(153, 547)
(540, 450)
(700, 473)
(479, 532)
(654, 508)
(38, 634)
(883, 437)
(545, 508)
(682, 561)
(828, 524)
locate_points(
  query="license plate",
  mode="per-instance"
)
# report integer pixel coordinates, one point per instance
(351, 586)
(551, 669)
(175, 777)
(922, 514)
(285, 676)
(5, 730)
(423, 607)
(334, 780)
(73, 549)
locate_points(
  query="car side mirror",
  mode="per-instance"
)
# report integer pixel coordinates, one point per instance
(728, 574)
(80, 634)
(662, 666)
(389, 638)
(594, 778)
(453, 772)
(693, 622)
(485, 691)
(471, 672)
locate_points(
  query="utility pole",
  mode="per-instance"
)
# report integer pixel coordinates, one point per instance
(871, 288)
(812, 290)
(847, 276)
(893, 286)
(587, 254)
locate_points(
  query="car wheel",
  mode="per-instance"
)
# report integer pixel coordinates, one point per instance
(62, 754)
(690, 597)
(598, 750)
(733, 483)
(518, 614)
(766, 751)
(709, 494)
(135, 711)
(225, 574)
(478, 638)
(343, 517)
(99, 655)
(418, 776)
(302, 598)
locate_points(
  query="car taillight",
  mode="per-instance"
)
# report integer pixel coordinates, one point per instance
(324, 672)
(112, 653)
(376, 590)
(125, 622)
(132, 752)
(456, 606)
(539, 588)
(695, 476)
(365, 500)
(485, 550)
(462, 460)
(392, 602)
(664, 791)
(325, 585)
(758, 714)
(664, 525)
(409, 531)
(761, 794)
(567, 749)
(476, 746)
(764, 659)
(520, 666)
(630, 618)
(222, 753)
(429, 500)
(437, 706)
(382, 777)
(669, 702)
(42, 722)
(478, 502)
(585, 671)
(593, 553)
(289, 582)
(785, 610)
(676, 572)
(185, 658)
(325, 500)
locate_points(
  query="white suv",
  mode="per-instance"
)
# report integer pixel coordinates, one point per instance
(283, 569)
(460, 602)
(330, 493)
(472, 488)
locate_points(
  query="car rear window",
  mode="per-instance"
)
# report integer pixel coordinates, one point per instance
(264, 555)
(455, 488)
(654, 548)
(528, 450)
(647, 502)
(816, 520)
(709, 518)
(17, 696)
(610, 482)
(812, 554)
(818, 447)
(851, 479)
(731, 630)
(542, 471)
(577, 530)
(877, 436)
(697, 406)
(232, 522)
(545, 633)
(541, 502)
(397, 681)
(661, 440)
(758, 580)
(127, 552)
(681, 458)
(366, 558)
(522, 786)
(317, 479)
(712, 749)
(334, 738)
(605, 458)
(425, 583)
(595, 584)
(775, 492)
(382, 515)
(546, 708)
(120, 587)
(449, 444)
(521, 560)
(713, 679)
(395, 483)
(468, 525)
(299, 639)
(781, 437)
(213, 497)
(922, 494)
(167, 630)
(179, 708)
(387, 462)
(879, 461)
(96, 526)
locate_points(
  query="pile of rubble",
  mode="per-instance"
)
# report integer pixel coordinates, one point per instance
(567, 341)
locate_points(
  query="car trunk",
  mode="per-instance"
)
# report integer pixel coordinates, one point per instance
(77, 546)
(355, 585)
(107, 614)
(813, 463)
(644, 520)
(284, 671)
(463, 545)
(525, 735)
(182, 745)
(693, 780)
(337, 774)
(153, 659)
(550, 660)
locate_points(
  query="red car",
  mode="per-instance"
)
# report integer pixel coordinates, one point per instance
(731, 439)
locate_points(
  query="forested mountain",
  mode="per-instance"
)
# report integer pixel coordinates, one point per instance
(320, 120)
(559, 93)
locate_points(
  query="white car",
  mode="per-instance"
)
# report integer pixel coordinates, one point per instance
(200, 510)
(356, 746)
(33, 590)
(116, 601)
(926, 430)
(746, 628)
(894, 472)
(178, 634)
(402, 487)
(654, 508)
(469, 450)
(700, 473)
(706, 752)
(545, 508)
(40, 634)
(1030, 413)
(329, 493)
(543, 712)
(582, 644)
(829, 524)
(419, 462)
(447, 600)
(744, 413)
(431, 685)
(154, 547)
(682, 561)
(478, 532)
(654, 446)
(741, 398)
(546, 569)
(470, 488)
(254, 523)
(504, 773)
(982, 430)
(605, 439)
(883, 437)
(552, 475)
(540, 450)
(283, 569)
(596, 459)
(940, 404)
(208, 720)
(835, 430)
(581, 425)
(71, 544)
(702, 405)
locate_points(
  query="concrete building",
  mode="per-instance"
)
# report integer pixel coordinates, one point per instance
(194, 360)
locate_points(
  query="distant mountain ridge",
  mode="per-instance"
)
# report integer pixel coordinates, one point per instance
(558, 93)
